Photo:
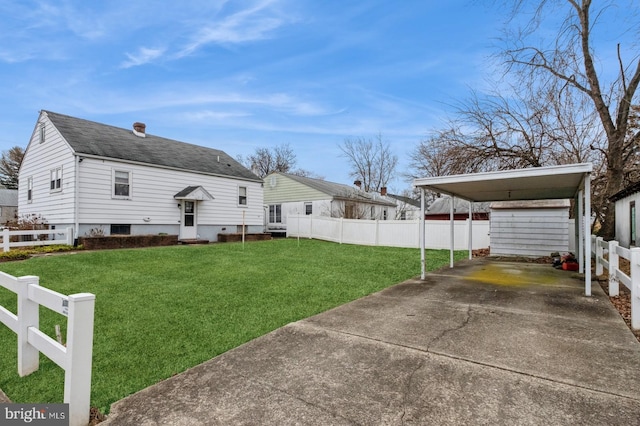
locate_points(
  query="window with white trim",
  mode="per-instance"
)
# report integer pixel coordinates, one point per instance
(308, 208)
(275, 213)
(56, 179)
(41, 132)
(29, 189)
(121, 184)
(242, 195)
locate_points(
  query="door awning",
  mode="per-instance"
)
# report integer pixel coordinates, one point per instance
(194, 193)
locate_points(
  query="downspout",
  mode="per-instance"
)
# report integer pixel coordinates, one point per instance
(76, 202)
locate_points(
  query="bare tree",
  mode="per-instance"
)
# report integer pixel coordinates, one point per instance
(560, 108)
(10, 167)
(372, 162)
(279, 159)
(570, 59)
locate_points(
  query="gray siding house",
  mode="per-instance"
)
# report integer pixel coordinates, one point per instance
(92, 176)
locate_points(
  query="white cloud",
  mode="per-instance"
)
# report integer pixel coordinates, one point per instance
(251, 24)
(143, 56)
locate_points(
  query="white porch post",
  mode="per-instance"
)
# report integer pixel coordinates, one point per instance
(423, 269)
(451, 232)
(587, 234)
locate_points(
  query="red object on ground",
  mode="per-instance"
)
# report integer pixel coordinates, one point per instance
(570, 266)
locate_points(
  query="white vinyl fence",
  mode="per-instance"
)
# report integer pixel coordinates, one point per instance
(392, 233)
(600, 248)
(36, 237)
(75, 358)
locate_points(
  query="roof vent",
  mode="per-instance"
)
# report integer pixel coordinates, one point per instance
(139, 129)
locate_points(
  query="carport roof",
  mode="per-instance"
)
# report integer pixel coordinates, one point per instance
(538, 183)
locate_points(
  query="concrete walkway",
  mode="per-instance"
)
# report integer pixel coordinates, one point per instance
(487, 343)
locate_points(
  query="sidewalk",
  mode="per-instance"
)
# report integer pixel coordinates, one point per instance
(483, 343)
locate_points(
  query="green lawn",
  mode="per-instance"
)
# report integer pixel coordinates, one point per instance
(162, 310)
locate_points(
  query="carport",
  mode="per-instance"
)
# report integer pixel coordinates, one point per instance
(540, 183)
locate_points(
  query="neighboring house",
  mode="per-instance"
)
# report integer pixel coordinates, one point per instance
(529, 228)
(440, 209)
(99, 178)
(406, 208)
(626, 216)
(8, 205)
(286, 194)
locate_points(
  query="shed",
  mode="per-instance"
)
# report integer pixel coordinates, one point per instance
(571, 181)
(531, 228)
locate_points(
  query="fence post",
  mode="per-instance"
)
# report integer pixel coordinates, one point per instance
(599, 252)
(341, 229)
(614, 284)
(77, 379)
(6, 240)
(635, 288)
(28, 316)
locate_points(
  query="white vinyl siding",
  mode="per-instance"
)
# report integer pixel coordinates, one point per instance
(625, 222)
(40, 160)
(154, 189)
(529, 232)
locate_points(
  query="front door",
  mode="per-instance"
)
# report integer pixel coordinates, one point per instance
(188, 224)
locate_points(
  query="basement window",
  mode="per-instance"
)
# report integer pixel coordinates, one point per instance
(118, 229)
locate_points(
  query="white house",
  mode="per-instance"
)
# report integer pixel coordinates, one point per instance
(626, 217)
(286, 194)
(91, 176)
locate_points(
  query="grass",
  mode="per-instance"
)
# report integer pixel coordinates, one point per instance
(160, 311)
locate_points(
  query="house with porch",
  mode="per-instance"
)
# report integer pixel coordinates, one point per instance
(98, 178)
(286, 194)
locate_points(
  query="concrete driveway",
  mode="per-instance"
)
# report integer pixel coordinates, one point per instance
(487, 343)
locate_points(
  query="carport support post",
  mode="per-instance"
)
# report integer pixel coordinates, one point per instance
(423, 272)
(579, 221)
(451, 232)
(587, 235)
(470, 229)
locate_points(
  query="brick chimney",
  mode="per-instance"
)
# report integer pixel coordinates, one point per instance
(383, 191)
(358, 184)
(139, 129)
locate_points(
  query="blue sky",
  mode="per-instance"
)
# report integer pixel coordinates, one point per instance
(238, 75)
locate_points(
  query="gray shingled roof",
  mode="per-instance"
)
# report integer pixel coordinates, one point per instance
(443, 205)
(339, 190)
(406, 200)
(91, 138)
